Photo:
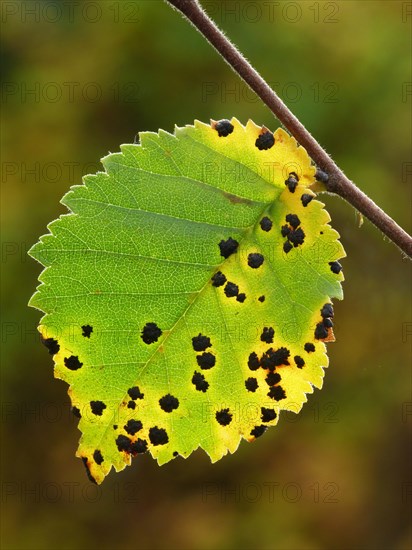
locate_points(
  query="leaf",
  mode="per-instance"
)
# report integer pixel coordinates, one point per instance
(187, 293)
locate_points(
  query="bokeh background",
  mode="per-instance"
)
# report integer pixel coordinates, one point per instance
(81, 78)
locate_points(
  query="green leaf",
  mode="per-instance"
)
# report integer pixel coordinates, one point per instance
(186, 292)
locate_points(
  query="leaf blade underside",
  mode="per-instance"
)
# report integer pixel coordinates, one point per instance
(141, 256)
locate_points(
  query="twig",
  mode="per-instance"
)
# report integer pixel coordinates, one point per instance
(337, 182)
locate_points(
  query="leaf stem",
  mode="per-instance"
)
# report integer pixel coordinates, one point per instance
(337, 182)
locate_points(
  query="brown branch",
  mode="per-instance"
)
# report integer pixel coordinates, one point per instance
(337, 182)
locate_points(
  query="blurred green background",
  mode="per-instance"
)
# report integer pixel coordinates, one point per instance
(79, 79)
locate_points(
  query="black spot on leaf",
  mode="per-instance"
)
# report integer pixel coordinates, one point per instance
(135, 393)
(224, 127)
(201, 343)
(51, 344)
(241, 297)
(285, 230)
(123, 443)
(253, 361)
(287, 247)
(76, 412)
(206, 361)
(265, 141)
(98, 457)
(267, 414)
(293, 220)
(321, 331)
(267, 335)
(258, 431)
(158, 436)
(292, 182)
(218, 279)
(255, 260)
(251, 384)
(231, 290)
(277, 393)
(224, 417)
(272, 359)
(321, 176)
(335, 267)
(262, 298)
(168, 403)
(72, 362)
(309, 347)
(87, 330)
(299, 361)
(328, 323)
(327, 311)
(151, 333)
(228, 247)
(273, 378)
(139, 446)
(297, 237)
(306, 198)
(133, 426)
(131, 405)
(266, 224)
(199, 381)
(97, 407)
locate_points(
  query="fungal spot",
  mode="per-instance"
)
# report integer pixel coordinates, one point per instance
(72, 362)
(253, 361)
(87, 330)
(293, 220)
(168, 403)
(321, 176)
(327, 311)
(51, 344)
(255, 260)
(175, 453)
(292, 182)
(76, 412)
(135, 393)
(297, 237)
(277, 393)
(251, 384)
(223, 127)
(265, 141)
(287, 247)
(267, 335)
(306, 198)
(86, 465)
(299, 361)
(115, 426)
(335, 267)
(133, 426)
(266, 224)
(271, 358)
(199, 381)
(309, 347)
(328, 323)
(228, 247)
(131, 405)
(97, 407)
(241, 297)
(258, 431)
(123, 443)
(285, 230)
(267, 414)
(224, 417)
(262, 298)
(231, 290)
(139, 446)
(273, 378)
(158, 436)
(98, 457)
(151, 333)
(206, 361)
(200, 342)
(218, 279)
(321, 331)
